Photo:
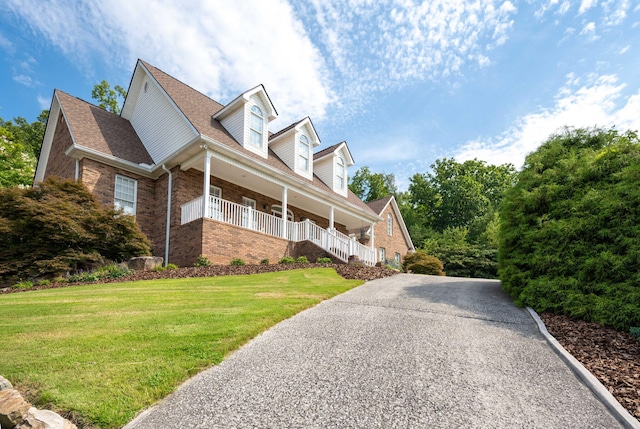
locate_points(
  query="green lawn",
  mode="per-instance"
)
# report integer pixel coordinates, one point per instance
(107, 351)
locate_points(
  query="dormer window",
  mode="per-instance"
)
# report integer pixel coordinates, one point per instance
(304, 149)
(256, 126)
(341, 172)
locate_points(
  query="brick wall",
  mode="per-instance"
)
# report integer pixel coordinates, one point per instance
(186, 243)
(393, 244)
(223, 242)
(59, 164)
(100, 179)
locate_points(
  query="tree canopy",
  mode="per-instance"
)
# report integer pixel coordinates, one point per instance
(369, 186)
(20, 143)
(107, 97)
(570, 228)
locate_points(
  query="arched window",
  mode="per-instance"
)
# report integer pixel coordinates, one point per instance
(389, 224)
(276, 210)
(341, 173)
(256, 126)
(303, 152)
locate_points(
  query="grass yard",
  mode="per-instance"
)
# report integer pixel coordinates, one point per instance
(104, 352)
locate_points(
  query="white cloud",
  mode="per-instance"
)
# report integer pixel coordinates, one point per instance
(44, 102)
(598, 102)
(219, 48)
(624, 50)
(589, 31)
(585, 5)
(6, 45)
(25, 80)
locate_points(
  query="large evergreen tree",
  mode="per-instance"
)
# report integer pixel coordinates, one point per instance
(570, 228)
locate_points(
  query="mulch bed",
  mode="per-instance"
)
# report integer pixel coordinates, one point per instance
(612, 356)
(348, 271)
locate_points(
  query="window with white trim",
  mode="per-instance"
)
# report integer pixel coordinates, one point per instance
(341, 172)
(248, 213)
(276, 211)
(256, 126)
(389, 224)
(398, 258)
(383, 254)
(303, 152)
(125, 194)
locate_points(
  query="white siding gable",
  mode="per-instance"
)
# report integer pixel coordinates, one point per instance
(234, 123)
(324, 170)
(262, 149)
(284, 147)
(160, 125)
(327, 168)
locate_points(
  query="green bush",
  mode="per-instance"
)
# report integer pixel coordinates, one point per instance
(287, 260)
(420, 262)
(171, 267)
(569, 228)
(43, 282)
(264, 262)
(202, 261)
(111, 271)
(237, 262)
(59, 227)
(392, 264)
(635, 331)
(302, 260)
(324, 261)
(27, 284)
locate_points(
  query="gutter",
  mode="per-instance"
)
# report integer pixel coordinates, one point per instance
(168, 227)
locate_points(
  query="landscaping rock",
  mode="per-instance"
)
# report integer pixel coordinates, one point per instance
(5, 384)
(145, 263)
(44, 419)
(13, 407)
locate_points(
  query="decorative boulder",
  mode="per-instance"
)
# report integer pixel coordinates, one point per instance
(5, 384)
(145, 262)
(13, 407)
(44, 419)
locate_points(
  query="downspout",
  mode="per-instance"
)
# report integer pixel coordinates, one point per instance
(168, 228)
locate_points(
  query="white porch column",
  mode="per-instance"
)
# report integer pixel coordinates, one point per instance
(207, 183)
(331, 214)
(373, 246)
(284, 211)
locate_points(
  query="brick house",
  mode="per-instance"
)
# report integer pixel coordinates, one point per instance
(391, 237)
(203, 178)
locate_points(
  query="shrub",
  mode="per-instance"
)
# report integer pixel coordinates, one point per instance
(160, 268)
(237, 262)
(58, 227)
(324, 261)
(264, 262)
(27, 284)
(420, 262)
(83, 277)
(43, 282)
(392, 264)
(302, 260)
(569, 228)
(286, 260)
(171, 267)
(202, 261)
(635, 331)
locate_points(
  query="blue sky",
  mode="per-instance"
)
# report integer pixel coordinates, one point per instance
(403, 82)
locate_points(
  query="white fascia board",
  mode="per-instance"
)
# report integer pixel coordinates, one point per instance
(54, 113)
(79, 152)
(314, 135)
(403, 226)
(273, 175)
(130, 101)
(244, 98)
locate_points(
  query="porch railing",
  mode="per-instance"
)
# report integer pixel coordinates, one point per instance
(331, 240)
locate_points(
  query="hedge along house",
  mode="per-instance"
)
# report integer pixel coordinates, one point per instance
(203, 178)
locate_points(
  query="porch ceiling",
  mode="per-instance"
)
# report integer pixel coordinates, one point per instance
(270, 188)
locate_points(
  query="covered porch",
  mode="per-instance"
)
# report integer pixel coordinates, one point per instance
(294, 210)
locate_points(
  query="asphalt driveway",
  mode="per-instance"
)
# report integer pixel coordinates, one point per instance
(407, 351)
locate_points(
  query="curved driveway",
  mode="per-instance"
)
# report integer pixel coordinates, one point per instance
(407, 351)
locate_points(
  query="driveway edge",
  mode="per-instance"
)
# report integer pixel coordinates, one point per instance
(601, 392)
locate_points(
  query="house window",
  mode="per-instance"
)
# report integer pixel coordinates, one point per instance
(125, 194)
(248, 214)
(303, 155)
(398, 258)
(214, 191)
(277, 211)
(383, 254)
(389, 224)
(256, 126)
(341, 173)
